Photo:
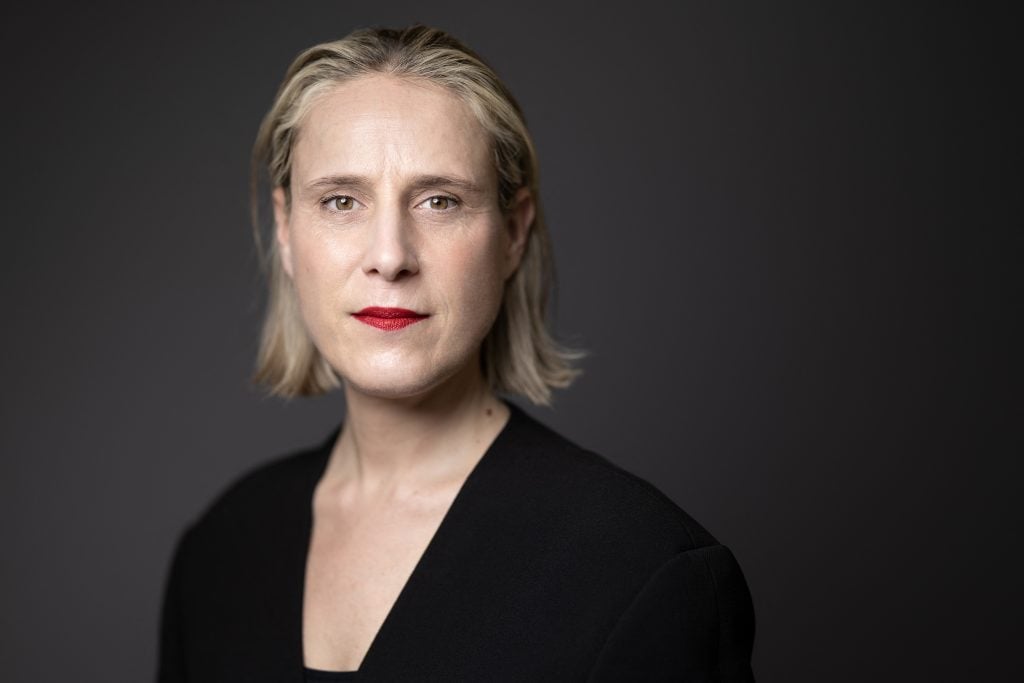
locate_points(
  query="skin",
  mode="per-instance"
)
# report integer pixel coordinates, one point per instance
(393, 202)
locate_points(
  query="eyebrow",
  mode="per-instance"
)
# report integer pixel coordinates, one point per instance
(427, 182)
(337, 181)
(422, 182)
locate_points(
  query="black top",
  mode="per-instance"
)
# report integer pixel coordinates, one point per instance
(318, 676)
(552, 564)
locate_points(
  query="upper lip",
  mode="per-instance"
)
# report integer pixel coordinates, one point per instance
(385, 312)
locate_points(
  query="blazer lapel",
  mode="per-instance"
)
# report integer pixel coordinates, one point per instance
(284, 593)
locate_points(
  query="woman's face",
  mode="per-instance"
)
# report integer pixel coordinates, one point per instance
(393, 238)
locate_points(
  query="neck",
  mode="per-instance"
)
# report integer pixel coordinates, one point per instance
(393, 446)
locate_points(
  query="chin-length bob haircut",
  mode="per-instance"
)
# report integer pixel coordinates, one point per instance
(518, 356)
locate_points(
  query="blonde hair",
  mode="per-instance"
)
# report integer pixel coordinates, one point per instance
(518, 356)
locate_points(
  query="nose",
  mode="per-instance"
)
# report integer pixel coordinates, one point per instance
(390, 251)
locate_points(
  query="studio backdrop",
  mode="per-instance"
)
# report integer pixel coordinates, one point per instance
(788, 235)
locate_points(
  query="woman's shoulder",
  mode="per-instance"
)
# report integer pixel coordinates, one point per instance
(268, 492)
(584, 491)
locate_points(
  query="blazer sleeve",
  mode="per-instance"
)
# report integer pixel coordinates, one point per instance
(171, 658)
(693, 621)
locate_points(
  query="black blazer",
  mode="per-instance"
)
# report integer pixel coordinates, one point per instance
(552, 564)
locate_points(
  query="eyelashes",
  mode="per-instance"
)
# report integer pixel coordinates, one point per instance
(343, 203)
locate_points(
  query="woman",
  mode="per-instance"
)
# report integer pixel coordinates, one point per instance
(440, 533)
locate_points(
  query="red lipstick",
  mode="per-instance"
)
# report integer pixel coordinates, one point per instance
(388, 318)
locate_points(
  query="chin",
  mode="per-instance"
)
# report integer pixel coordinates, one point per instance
(398, 380)
(389, 390)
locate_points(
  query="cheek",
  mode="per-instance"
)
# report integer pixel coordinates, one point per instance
(319, 266)
(478, 274)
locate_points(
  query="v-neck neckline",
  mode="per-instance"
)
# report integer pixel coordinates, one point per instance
(444, 529)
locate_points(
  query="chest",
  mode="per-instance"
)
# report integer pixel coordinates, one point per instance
(358, 563)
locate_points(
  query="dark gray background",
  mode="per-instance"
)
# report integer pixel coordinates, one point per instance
(787, 234)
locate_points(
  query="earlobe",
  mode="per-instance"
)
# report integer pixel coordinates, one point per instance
(282, 233)
(519, 222)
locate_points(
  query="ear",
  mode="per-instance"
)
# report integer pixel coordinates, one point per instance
(518, 222)
(282, 232)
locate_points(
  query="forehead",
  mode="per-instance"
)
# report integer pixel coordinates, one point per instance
(379, 125)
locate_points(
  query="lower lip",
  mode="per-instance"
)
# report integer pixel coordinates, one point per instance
(388, 324)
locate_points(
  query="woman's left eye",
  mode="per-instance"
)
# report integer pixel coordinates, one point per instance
(440, 203)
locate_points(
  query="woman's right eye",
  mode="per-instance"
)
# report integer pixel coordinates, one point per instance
(340, 202)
